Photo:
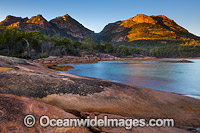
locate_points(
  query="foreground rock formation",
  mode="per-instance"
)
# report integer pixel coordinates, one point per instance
(80, 95)
(13, 110)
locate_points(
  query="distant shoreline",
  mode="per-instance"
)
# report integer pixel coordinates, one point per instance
(56, 60)
(53, 62)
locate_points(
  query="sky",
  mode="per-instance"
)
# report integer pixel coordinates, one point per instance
(95, 14)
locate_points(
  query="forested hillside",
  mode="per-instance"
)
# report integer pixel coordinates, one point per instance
(34, 44)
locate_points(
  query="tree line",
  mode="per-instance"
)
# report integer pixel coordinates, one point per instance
(34, 44)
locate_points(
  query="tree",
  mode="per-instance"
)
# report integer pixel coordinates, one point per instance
(89, 42)
(35, 38)
(108, 48)
(28, 45)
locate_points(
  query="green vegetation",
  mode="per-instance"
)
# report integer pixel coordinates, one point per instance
(170, 51)
(33, 44)
(165, 48)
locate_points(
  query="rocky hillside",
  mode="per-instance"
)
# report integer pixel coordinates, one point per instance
(64, 26)
(67, 25)
(143, 27)
(140, 27)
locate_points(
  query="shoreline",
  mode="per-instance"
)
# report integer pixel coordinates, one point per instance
(145, 58)
(187, 95)
(55, 60)
(78, 95)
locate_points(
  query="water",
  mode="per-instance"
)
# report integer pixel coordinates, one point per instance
(182, 78)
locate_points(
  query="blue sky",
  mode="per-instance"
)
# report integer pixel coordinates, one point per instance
(95, 14)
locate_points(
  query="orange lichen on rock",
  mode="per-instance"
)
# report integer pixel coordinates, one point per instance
(3, 68)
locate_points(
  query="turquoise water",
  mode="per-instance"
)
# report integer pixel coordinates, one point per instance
(182, 78)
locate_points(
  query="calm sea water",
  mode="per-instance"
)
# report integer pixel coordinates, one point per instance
(182, 78)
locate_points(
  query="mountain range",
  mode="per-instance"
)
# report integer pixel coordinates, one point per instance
(140, 27)
(64, 26)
